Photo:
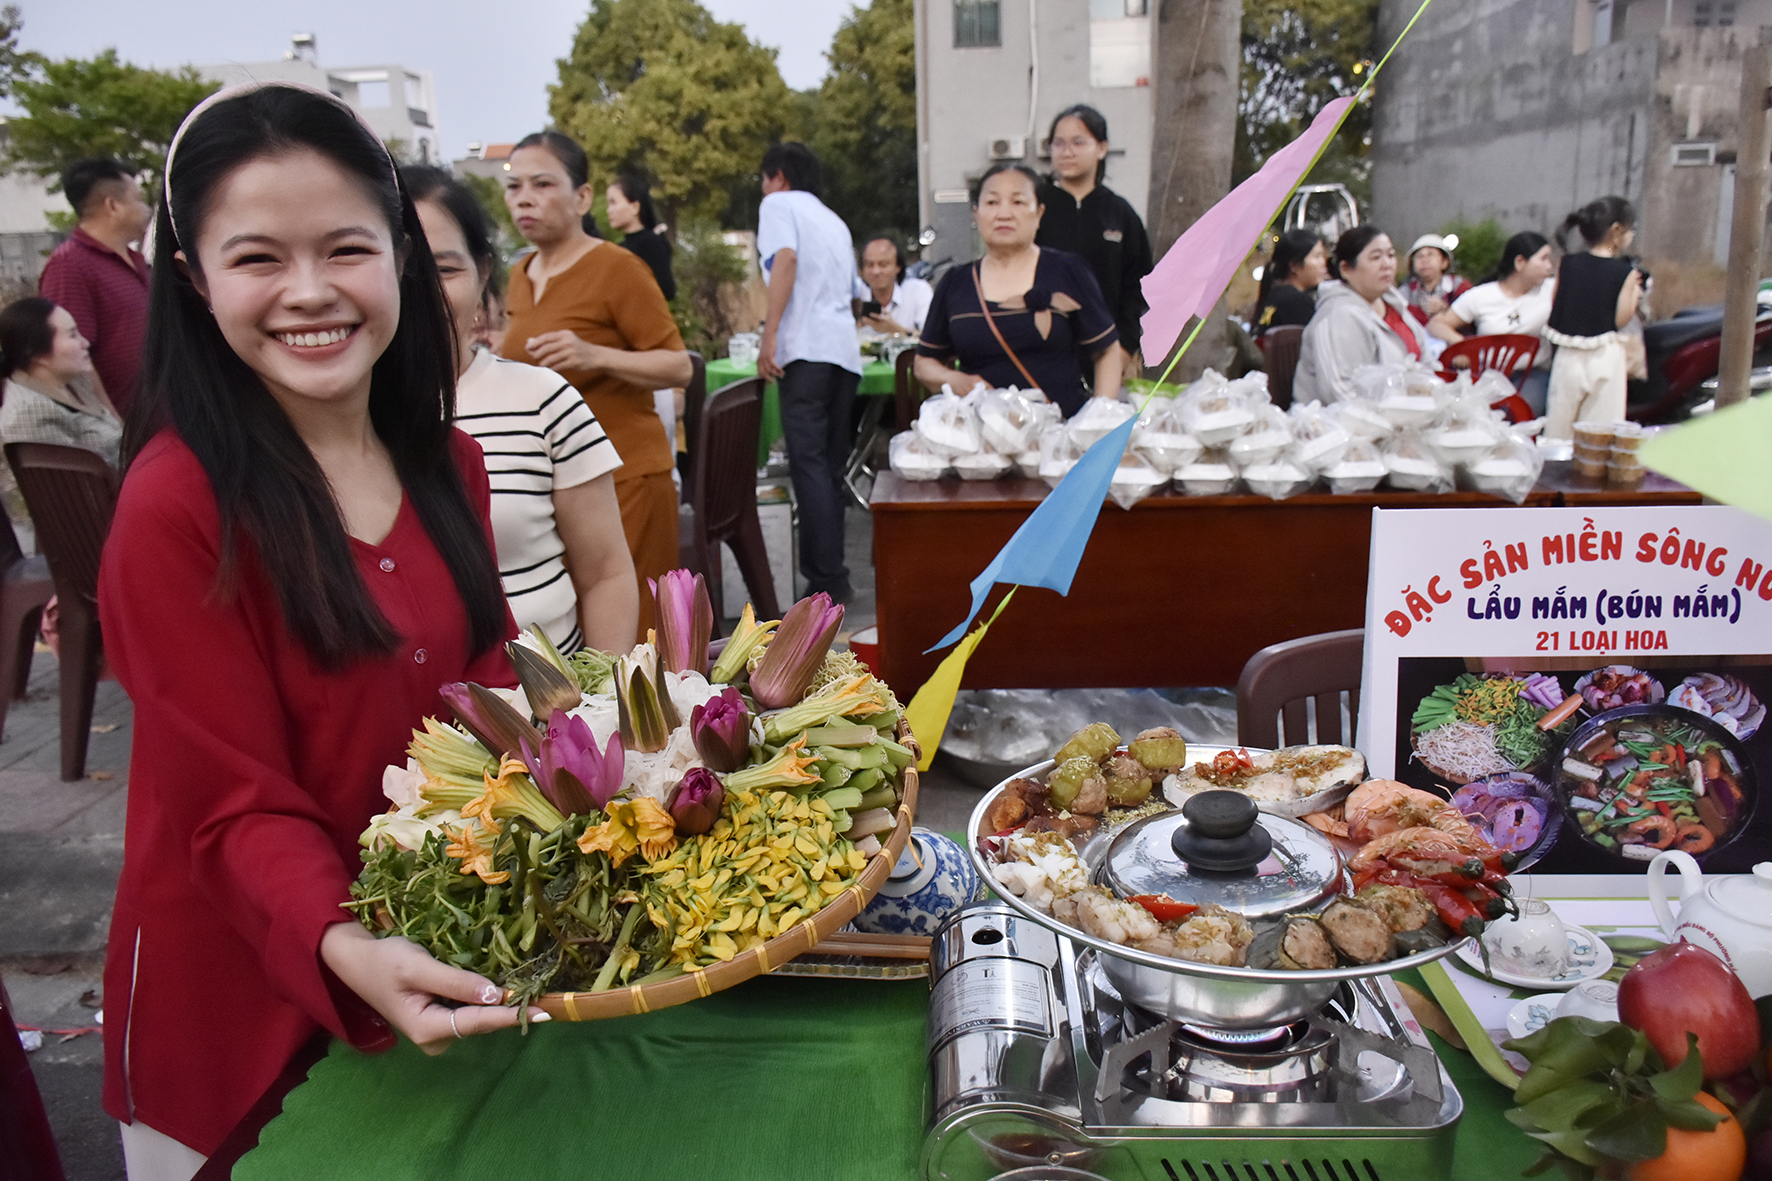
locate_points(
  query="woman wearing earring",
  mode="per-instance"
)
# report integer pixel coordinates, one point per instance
(300, 557)
(555, 519)
(593, 313)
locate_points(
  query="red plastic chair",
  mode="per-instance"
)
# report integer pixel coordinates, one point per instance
(1507, 352)
(1281, 346)
(71, 494)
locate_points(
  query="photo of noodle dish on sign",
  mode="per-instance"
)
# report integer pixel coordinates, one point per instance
(1483, 725)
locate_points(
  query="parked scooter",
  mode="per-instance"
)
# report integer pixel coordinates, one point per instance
(1684, 352)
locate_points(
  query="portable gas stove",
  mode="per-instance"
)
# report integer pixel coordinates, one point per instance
(1035, 1060)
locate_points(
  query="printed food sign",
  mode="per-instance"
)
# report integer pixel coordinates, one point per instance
(1589, 683)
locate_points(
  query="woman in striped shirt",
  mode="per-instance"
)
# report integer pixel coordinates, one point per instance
(561, 552)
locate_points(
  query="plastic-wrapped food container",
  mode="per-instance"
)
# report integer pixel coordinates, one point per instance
(1510, 470)
(1411, 464)
(1362, 419)
(1404, 409)
(1624, 467)
(1268, 435)
(1591, 463)
(1627, 437)
(982, 465)
(1355, 474)
(1058, 454)
(1596, 436)
(1006, 421)
(1212, 474)
(1319, 440)
(1167, 450)
(1461, 444)
(911, 458)
(949, 425)
(1097, 419)
(1134, 480)
(1279, 479)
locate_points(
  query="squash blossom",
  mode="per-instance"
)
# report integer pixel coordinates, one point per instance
(633, 826)
(465, 845)
(513, 793)
(746, 638)
(790, 769)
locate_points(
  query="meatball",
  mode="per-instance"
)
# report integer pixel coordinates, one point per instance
(1306, 945)
(1361, 935)
(1404, 908)
(1009, 811)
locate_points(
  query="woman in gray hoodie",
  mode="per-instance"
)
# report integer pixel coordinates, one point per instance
(1360, 319)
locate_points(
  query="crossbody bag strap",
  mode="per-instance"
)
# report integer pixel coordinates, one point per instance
(985, 307)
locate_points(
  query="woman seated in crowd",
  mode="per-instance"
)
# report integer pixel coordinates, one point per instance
(593, 313)
(52, 394)
(1290, 279)
(556, 523)
(1360, 320)
(1517, 302)
(1022, 314)
(1432, 286)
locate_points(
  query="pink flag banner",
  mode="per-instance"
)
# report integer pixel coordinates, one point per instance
(1201, 264)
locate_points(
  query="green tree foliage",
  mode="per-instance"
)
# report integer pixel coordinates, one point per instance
(1297, 56)
(1479, 248)
(862, 121)
(76, 108)
(12, 61)
(662, 88)
(704, 266)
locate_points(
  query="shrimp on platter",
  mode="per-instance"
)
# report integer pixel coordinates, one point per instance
(1465, 880)
(1379, 807)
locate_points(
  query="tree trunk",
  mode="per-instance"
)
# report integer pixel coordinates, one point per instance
(1198, 52)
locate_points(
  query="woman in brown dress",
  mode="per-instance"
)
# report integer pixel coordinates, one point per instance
(593, 313)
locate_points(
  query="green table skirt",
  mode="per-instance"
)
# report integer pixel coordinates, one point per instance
(779, 1077)
(877, 378)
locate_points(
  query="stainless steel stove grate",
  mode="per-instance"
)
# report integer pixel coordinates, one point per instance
(1285, 1170)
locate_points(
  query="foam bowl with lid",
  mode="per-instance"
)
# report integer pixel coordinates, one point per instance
(1210, 907)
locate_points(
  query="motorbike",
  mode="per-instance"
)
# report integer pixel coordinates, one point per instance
(1683, 353)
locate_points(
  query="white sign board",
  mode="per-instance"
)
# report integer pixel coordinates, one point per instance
(1627, 607)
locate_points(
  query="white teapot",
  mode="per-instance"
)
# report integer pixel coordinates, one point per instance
(1731, 917)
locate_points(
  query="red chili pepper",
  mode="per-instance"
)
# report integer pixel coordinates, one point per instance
(1164, 908)
(1680, 757)
(1488, 903)
(1456, 911)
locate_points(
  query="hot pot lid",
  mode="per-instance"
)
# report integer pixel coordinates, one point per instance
(1219, 848)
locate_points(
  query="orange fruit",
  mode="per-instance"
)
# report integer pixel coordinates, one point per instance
(1717, 1155)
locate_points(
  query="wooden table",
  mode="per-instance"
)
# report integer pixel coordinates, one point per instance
(1181, 590)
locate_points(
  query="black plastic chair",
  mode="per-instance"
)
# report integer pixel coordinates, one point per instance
(723, 497)
(1279, 681)
(71, 493)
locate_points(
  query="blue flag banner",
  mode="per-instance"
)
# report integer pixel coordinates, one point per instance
(1046, 549)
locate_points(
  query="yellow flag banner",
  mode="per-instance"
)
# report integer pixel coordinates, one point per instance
(927, 714)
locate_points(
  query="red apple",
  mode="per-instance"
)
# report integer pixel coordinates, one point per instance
(1684, 988)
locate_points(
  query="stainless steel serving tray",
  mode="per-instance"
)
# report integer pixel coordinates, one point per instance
(1094, 849)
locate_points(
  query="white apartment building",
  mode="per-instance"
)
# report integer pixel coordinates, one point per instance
(398, 103)
(991, 74)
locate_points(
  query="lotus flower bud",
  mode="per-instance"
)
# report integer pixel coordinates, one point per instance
(722, 731)
(685, 621)
(643, 699)
(490, 718)
(548, 689)
(695, 803)
(574, 775)
(797, 652)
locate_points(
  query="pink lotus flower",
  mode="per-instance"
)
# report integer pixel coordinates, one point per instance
(695, 803)
(571, 772)
(685, 621)
(797, 652)
(722, 731)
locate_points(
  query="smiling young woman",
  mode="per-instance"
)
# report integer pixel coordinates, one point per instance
(299, 559)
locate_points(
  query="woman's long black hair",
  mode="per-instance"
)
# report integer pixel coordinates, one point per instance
(271, 496)
(634, 187)
(1289, 254)
(1522, 245)
(1094, 122)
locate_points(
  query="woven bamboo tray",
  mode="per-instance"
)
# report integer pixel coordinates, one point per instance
(799, 939)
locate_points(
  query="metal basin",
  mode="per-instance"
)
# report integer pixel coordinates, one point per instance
(1186, 990)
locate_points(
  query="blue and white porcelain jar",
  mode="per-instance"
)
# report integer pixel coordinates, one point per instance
(933, 878)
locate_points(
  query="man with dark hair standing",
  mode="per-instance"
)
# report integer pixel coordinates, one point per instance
(809, 346)
(98, 275)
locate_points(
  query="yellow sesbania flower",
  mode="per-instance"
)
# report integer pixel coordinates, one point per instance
(772, 860)
(476, 857)
(633, 826)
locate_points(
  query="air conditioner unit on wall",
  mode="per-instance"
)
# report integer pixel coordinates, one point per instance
(1693, 155)
(1009, 147)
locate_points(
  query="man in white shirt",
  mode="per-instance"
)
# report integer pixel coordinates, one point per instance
(904, 303)
(809, 346)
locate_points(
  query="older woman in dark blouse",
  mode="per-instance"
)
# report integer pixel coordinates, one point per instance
(1022, 315)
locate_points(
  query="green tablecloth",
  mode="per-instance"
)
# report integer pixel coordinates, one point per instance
(877, 378)
(781, 1076)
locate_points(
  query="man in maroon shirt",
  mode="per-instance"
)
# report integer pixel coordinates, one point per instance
(98, 276)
